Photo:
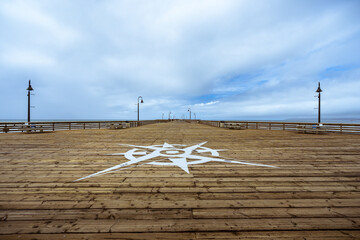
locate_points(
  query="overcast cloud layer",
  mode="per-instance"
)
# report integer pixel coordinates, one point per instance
(224, 59)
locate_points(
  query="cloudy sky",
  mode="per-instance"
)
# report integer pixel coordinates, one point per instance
(224, 59)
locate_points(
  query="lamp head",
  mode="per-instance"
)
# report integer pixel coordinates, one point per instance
(30, 88)
(319, 89)
(142, 101)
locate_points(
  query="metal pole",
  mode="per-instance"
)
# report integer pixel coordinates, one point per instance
(319, 117)
(319, 91)
(28, 118)
(189, 110)
(142, 101)
(29, 89)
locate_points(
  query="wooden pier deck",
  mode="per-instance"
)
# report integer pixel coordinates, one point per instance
(313, 193)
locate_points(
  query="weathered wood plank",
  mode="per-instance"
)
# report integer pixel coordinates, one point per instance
(204, 213)
(95, 214)
(140, 203)
(178, 225)
(315, 212)
(273, 235)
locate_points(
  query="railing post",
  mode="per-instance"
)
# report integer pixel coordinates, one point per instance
(70, 126)
(99, 125)
(283, 126)
(257, 125)
(341, 128)
(247, 125)
(53, 126)
(84, 125)
(269, 126)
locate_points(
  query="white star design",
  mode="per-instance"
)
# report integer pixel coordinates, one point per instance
(177, 154)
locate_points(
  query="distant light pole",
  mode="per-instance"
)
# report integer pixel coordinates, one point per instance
(189, 110)
(195, 115)
(142, 101)
(169, 115)
(29, 90)
(319, 96)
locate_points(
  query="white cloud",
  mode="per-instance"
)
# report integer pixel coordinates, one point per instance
(26, 58)
(28, 14)
(225, 58)
(206, 104)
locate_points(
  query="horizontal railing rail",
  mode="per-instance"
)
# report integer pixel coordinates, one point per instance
(287, 126)
(6, 127)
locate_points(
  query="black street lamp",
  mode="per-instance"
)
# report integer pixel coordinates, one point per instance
(169, 116)
(29, 89)
(319, 96)
(142, 101)
(189, 110)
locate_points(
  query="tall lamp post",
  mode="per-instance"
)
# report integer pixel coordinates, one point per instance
(169, 116)
(195, 115)
(142, 101)
(29, 89)
(189, 110)
(319, 96)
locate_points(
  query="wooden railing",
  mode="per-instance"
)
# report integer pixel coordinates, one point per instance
(75, 125)
(287, 126)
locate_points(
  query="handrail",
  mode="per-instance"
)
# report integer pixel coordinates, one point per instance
(288, 126)
(76, 125)
(68, 125)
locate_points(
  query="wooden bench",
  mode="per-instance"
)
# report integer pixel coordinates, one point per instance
(6, 129)
(115, 126)
(236, 126)
(119, 126)
(33, 129)
(316, 129)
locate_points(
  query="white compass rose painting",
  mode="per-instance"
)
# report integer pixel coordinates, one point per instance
(178, 155)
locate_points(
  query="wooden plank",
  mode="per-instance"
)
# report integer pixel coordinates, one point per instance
(309, 235)
(178, 225)
(95, 214)
(196, 213)
(155, 204)
(102, 236)
(273, 235)
(315, 212)
(182, 183)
